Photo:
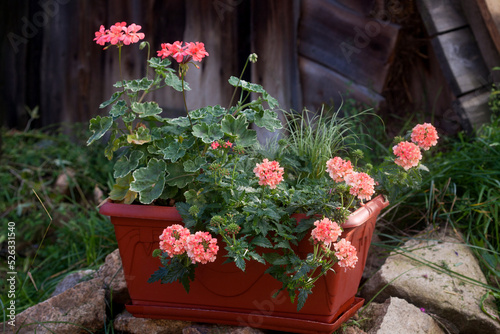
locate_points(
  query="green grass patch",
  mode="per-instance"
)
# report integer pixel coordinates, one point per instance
(70, 179)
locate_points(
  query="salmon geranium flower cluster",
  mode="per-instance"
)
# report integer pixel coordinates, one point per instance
(328, 232)
(408, 155)
(269, 173)
(361, 184)
(200, 247)
(119, 34)
(183, 53)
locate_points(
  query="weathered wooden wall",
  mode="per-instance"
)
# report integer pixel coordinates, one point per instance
(310, 52)
(54, 64)
(59, 68)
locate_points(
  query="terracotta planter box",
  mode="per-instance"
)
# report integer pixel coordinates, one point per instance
(222, 293)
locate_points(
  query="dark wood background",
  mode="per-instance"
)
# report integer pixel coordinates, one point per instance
(310, 52)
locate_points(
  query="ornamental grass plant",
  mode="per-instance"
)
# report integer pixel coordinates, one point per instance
(236, 200)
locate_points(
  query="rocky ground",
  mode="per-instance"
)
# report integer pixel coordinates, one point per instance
(432, 285)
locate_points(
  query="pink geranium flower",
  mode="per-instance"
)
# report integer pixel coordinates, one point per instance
(346, 254)
(173, 240)
(269, 173)
(183, 53)
(362, 185)
(408, 155)
(228, 144)
(197, 50)
(326, 231)
(101, 36)
(132, 35)
(202, 247)
(117, 32)
(214, 145)
(338, 168)
(424, 135)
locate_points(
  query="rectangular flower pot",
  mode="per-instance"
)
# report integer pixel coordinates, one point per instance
(222, 293)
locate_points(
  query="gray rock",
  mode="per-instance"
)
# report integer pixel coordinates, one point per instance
(437, 286)
(73, 279)
(396, 315)
(113, 278)
(77, 310)
(128, 324)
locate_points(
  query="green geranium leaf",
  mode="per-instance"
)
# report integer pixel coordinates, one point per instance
(113, 145)
(121, 190)
(234, 126)
(118, 109)
(149, 181)
(139, 136)
(180, 121)
(208, 133)
(194, 165)
(177, 176)
(138, 85)
(146, 109)
(238, 129)
(254, 88)
(146, 177)
(247, 138)
(245, 85)
(125, 165)
(169, 192)
(157, 62)
(172, 80)
(99, 126)
(268, 119)
(148, 195)
(273, 103)
(129, 117)
(249, 114)
(170, 148)
(208, 113)
(112, 100)
(194, 197)
(174, 151)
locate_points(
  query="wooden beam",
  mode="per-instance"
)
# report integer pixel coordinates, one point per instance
(484, 41)
(461, 61)
(490, 9)
(441, 16)
(359, 48)
(473, 109)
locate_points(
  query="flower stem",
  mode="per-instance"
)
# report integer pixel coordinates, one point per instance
(120, 62)
(239, 79)
(184, 98)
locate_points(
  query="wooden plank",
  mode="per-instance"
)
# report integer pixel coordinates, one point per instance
(441, 16)
(473, 109)
(209, 84)
(363, 7)
(274, 39)
(484, 41)
(461, 61)
(490, 9)
(321, 85)
(359, 48)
